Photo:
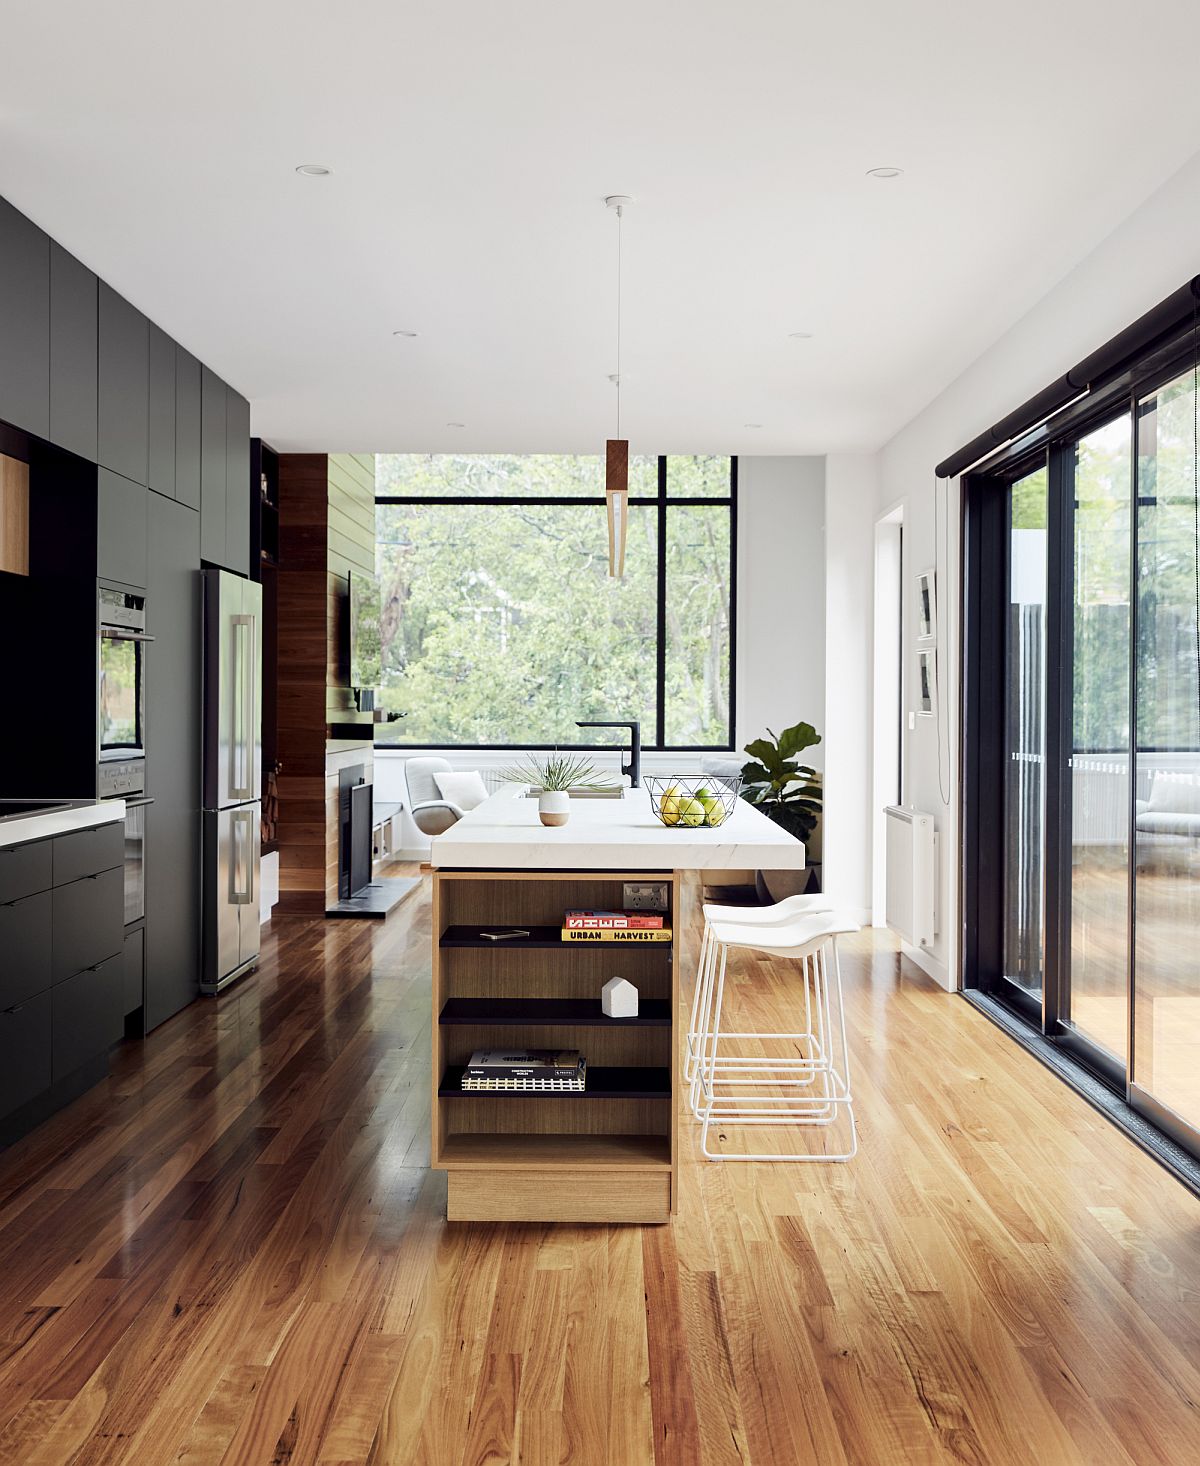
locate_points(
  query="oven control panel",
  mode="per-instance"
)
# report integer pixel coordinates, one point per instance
(122, 777)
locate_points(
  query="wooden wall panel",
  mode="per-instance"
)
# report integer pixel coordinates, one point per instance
(326, 529)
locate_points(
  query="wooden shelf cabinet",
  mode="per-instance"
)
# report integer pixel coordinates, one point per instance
(607, 1154)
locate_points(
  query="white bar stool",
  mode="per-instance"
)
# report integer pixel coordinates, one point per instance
(812, 1089)
(783, 912)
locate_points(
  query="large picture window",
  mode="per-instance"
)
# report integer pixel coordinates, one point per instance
(501, 626)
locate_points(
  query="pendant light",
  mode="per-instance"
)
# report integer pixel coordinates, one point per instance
(616, 450)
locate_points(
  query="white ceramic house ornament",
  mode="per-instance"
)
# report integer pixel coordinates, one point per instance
(619, 998)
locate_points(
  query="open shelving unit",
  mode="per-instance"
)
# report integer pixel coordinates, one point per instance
(604, 1155)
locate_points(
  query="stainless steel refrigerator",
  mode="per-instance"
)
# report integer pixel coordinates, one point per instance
(232, 776)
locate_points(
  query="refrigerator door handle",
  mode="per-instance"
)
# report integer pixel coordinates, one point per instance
(241, 869)
(241, 758)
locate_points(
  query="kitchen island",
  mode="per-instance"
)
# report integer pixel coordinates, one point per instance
(610, 1153)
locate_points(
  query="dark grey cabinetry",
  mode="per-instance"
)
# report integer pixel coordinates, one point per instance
(121, 530)
(187, 428)
(123, 388)
(214, 467)
(24, 1051)
(73, 326)
(237, 487)
(162, 413)
(24, 322)
(25, 927)
(62, 969)
(133, 970)
(88, 925)
(86, 1017)
(173, 762)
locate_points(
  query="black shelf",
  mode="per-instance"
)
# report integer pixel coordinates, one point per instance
(573, 1012)
(642, 1082)
(540, 938)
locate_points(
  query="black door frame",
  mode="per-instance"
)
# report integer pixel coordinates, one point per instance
(985, 560)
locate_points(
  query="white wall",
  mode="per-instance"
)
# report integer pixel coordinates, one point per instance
(1154, 252)
(781, 597)
(851, 492)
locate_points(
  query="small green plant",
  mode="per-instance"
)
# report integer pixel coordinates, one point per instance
(787, 792)
(557, 773)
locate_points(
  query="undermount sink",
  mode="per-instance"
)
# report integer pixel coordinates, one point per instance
(11, 809)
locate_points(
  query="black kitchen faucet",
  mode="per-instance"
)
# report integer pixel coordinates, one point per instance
(634, 767)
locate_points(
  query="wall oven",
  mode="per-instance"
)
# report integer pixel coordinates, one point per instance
(122, 729)
(122, 702)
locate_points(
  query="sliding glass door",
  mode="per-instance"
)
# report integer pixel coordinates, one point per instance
(1082, 754)
(1094, 996)
(1166, 893)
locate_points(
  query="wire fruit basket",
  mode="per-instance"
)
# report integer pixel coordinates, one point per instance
(693, 801)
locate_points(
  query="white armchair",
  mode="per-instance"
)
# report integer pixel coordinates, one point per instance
(430, 812)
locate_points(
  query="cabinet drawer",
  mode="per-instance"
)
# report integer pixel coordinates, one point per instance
(87, 1016)
(133, 968)
(24, 948)
(24, 869)
(89, 923)
(87, 852)
(24, 1051)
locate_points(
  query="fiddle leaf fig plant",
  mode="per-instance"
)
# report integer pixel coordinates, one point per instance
(787, 792)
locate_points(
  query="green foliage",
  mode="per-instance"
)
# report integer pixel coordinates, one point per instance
(558, 772)
(501, 625)
(787, 792)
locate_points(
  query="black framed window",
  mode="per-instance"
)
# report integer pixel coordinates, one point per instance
(501, 626)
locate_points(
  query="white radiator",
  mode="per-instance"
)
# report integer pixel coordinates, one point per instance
(912, 849)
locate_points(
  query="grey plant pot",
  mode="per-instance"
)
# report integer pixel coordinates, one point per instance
(778, 885)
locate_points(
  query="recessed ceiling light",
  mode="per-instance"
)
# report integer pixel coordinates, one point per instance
(752, 425)
(314, 170)
(456, 424)
(884, 172)
(799, 335)
(404, 333)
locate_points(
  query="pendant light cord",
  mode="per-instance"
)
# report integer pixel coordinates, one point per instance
(1196, 487)
(620, 213)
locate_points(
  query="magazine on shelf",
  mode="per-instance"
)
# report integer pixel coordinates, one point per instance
(526, 1063)
(563, 1070)
(614, 920)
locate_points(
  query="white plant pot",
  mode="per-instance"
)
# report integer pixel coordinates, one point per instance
(554, 807)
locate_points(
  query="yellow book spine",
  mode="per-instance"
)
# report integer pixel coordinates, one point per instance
(609, 934)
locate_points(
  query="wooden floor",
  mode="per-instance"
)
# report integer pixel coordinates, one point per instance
(233, 1252)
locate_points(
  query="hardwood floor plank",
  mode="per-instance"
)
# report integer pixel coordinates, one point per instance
(233, 1250)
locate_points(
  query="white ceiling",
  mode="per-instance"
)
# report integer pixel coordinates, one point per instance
(473, 144)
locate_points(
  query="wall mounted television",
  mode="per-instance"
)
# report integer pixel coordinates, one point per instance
(366, 644)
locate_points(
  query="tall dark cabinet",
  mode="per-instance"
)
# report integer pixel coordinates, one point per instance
(214, 467)
(173, 761)
(74, 305)
(123, 396)
(187, 428)
(24, 323)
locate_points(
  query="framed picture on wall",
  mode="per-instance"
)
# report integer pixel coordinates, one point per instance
(926, 683)
(927, 605)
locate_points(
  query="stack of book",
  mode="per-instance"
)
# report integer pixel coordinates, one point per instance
(563, 1070)
(615, 926)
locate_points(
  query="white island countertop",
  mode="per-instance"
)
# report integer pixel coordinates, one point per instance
(504, 833)
(58, 818)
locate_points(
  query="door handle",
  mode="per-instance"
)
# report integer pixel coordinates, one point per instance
(240, 763)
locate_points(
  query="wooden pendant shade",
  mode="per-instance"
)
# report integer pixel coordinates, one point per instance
(616, 493)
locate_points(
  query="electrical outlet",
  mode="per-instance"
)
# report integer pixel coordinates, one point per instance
(645, 895)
